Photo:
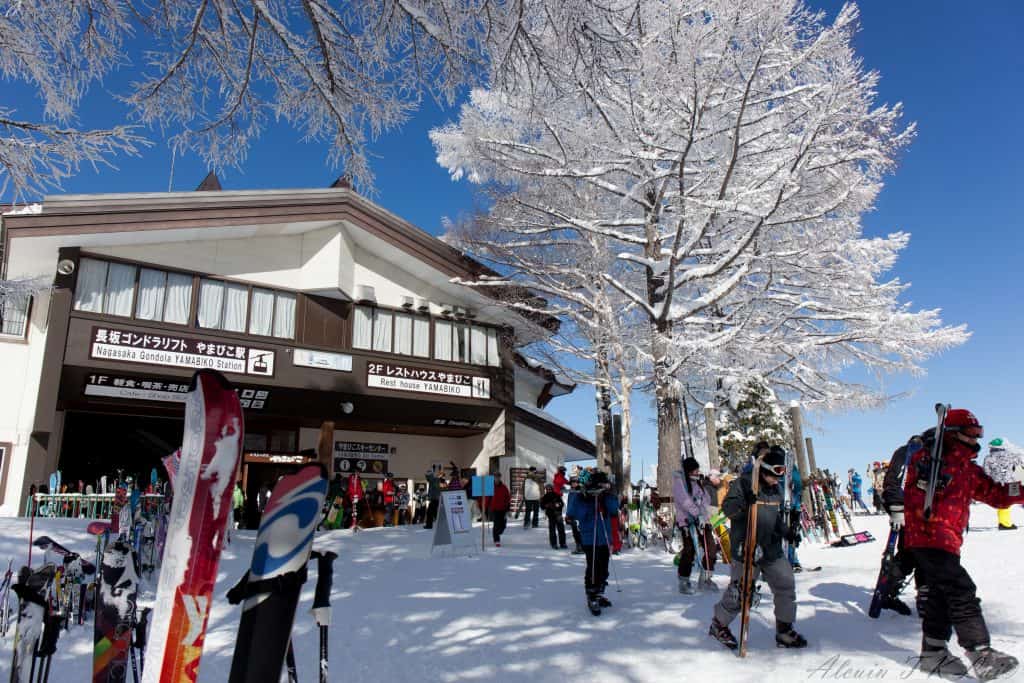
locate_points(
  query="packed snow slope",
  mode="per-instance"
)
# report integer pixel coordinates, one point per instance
(517, 613)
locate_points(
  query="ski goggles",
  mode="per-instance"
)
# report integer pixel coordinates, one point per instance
(973, 431)
(777, 470)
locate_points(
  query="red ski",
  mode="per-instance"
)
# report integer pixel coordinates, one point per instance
(195, 528)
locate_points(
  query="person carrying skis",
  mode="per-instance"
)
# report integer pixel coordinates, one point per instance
(947, 598)
(770, 533)
(552, 505)
(796, 488)
(593, 509)
(855, 489)
(692, 501)
(1003, 464)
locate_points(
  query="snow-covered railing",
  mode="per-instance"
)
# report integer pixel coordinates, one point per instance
(80, 505)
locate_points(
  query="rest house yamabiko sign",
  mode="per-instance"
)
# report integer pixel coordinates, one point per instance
(130, 346)
(426, 381)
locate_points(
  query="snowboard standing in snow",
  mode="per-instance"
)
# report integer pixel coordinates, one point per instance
(199, 513)
(271, 586)
(884, 587)
(115, 613)
(31, 590)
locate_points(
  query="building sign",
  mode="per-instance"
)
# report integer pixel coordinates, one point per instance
(370, 467)
(129, 346)
(322, 359)
(360, 457)
(149, 389)
(426, 381)
(277, 458)
(445, 422)
(254, 399)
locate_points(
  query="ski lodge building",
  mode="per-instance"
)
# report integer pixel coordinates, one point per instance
(338, 322)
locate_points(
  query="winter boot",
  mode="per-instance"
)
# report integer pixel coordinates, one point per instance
(1011, 527)
(785, 636)
(686, 586)
(603, 601)
(707, 581)
(578, 550)
(722, 634)
(896, 605)
(989, 664)
(593, 605)
(937, 660)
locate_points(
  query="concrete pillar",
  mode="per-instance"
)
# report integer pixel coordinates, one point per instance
(810, 455)
(801, 457)
(711, 434)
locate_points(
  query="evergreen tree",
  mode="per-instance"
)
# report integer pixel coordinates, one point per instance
(751, 413)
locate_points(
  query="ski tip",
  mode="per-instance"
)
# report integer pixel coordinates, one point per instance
(210, 376)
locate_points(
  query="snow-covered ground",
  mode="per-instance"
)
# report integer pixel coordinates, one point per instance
(517, 613)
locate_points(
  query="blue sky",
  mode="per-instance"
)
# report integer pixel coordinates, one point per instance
(958, 71)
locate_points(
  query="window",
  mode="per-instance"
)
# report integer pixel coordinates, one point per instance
(376, 329)
(382, 322)
(158, 295)
(462, 343)
(14, 315)
(223, 305)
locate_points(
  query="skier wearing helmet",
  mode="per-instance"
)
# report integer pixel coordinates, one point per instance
(1003, 464)
(946, 596)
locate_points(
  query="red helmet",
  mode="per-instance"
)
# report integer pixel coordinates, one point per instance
(961, 420)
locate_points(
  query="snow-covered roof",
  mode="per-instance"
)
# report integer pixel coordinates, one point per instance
(551, 419)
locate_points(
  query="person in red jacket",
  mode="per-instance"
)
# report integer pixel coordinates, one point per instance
(498, 506)
(354, 493)
(560, 481)
(387, 490)
(946, 596)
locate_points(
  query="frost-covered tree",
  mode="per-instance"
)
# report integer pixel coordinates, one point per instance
(213, 74)
(751, 414)
(728, 149)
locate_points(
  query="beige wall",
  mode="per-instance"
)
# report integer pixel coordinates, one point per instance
(20, 368)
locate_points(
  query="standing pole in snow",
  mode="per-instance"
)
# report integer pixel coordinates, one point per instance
(322, 602)
(711, 433)
(810, 455)
(801, 457)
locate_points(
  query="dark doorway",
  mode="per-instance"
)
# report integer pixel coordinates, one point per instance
(98, 444)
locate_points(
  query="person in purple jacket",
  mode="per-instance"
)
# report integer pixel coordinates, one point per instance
(693, 517)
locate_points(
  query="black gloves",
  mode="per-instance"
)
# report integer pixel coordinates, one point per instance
(748, 495)
(792, 534)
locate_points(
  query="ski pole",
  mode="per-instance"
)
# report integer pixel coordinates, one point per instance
(611, 565)
(289, 663)
(322, 602)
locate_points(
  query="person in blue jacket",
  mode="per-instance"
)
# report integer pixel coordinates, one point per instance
(593, 508)
(855, 488)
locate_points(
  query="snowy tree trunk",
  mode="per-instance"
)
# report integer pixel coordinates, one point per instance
(627, 456)
(606, 436)
(666, 395)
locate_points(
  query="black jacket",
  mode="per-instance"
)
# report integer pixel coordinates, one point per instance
(770, 529)
(552, 503)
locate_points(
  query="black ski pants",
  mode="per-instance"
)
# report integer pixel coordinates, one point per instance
(947, 599)
(431, 513)
(499, 520)
(577, 537)
(901, 568)
(532, 513)
(596, 577)
(688, 554)
(556, 525)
